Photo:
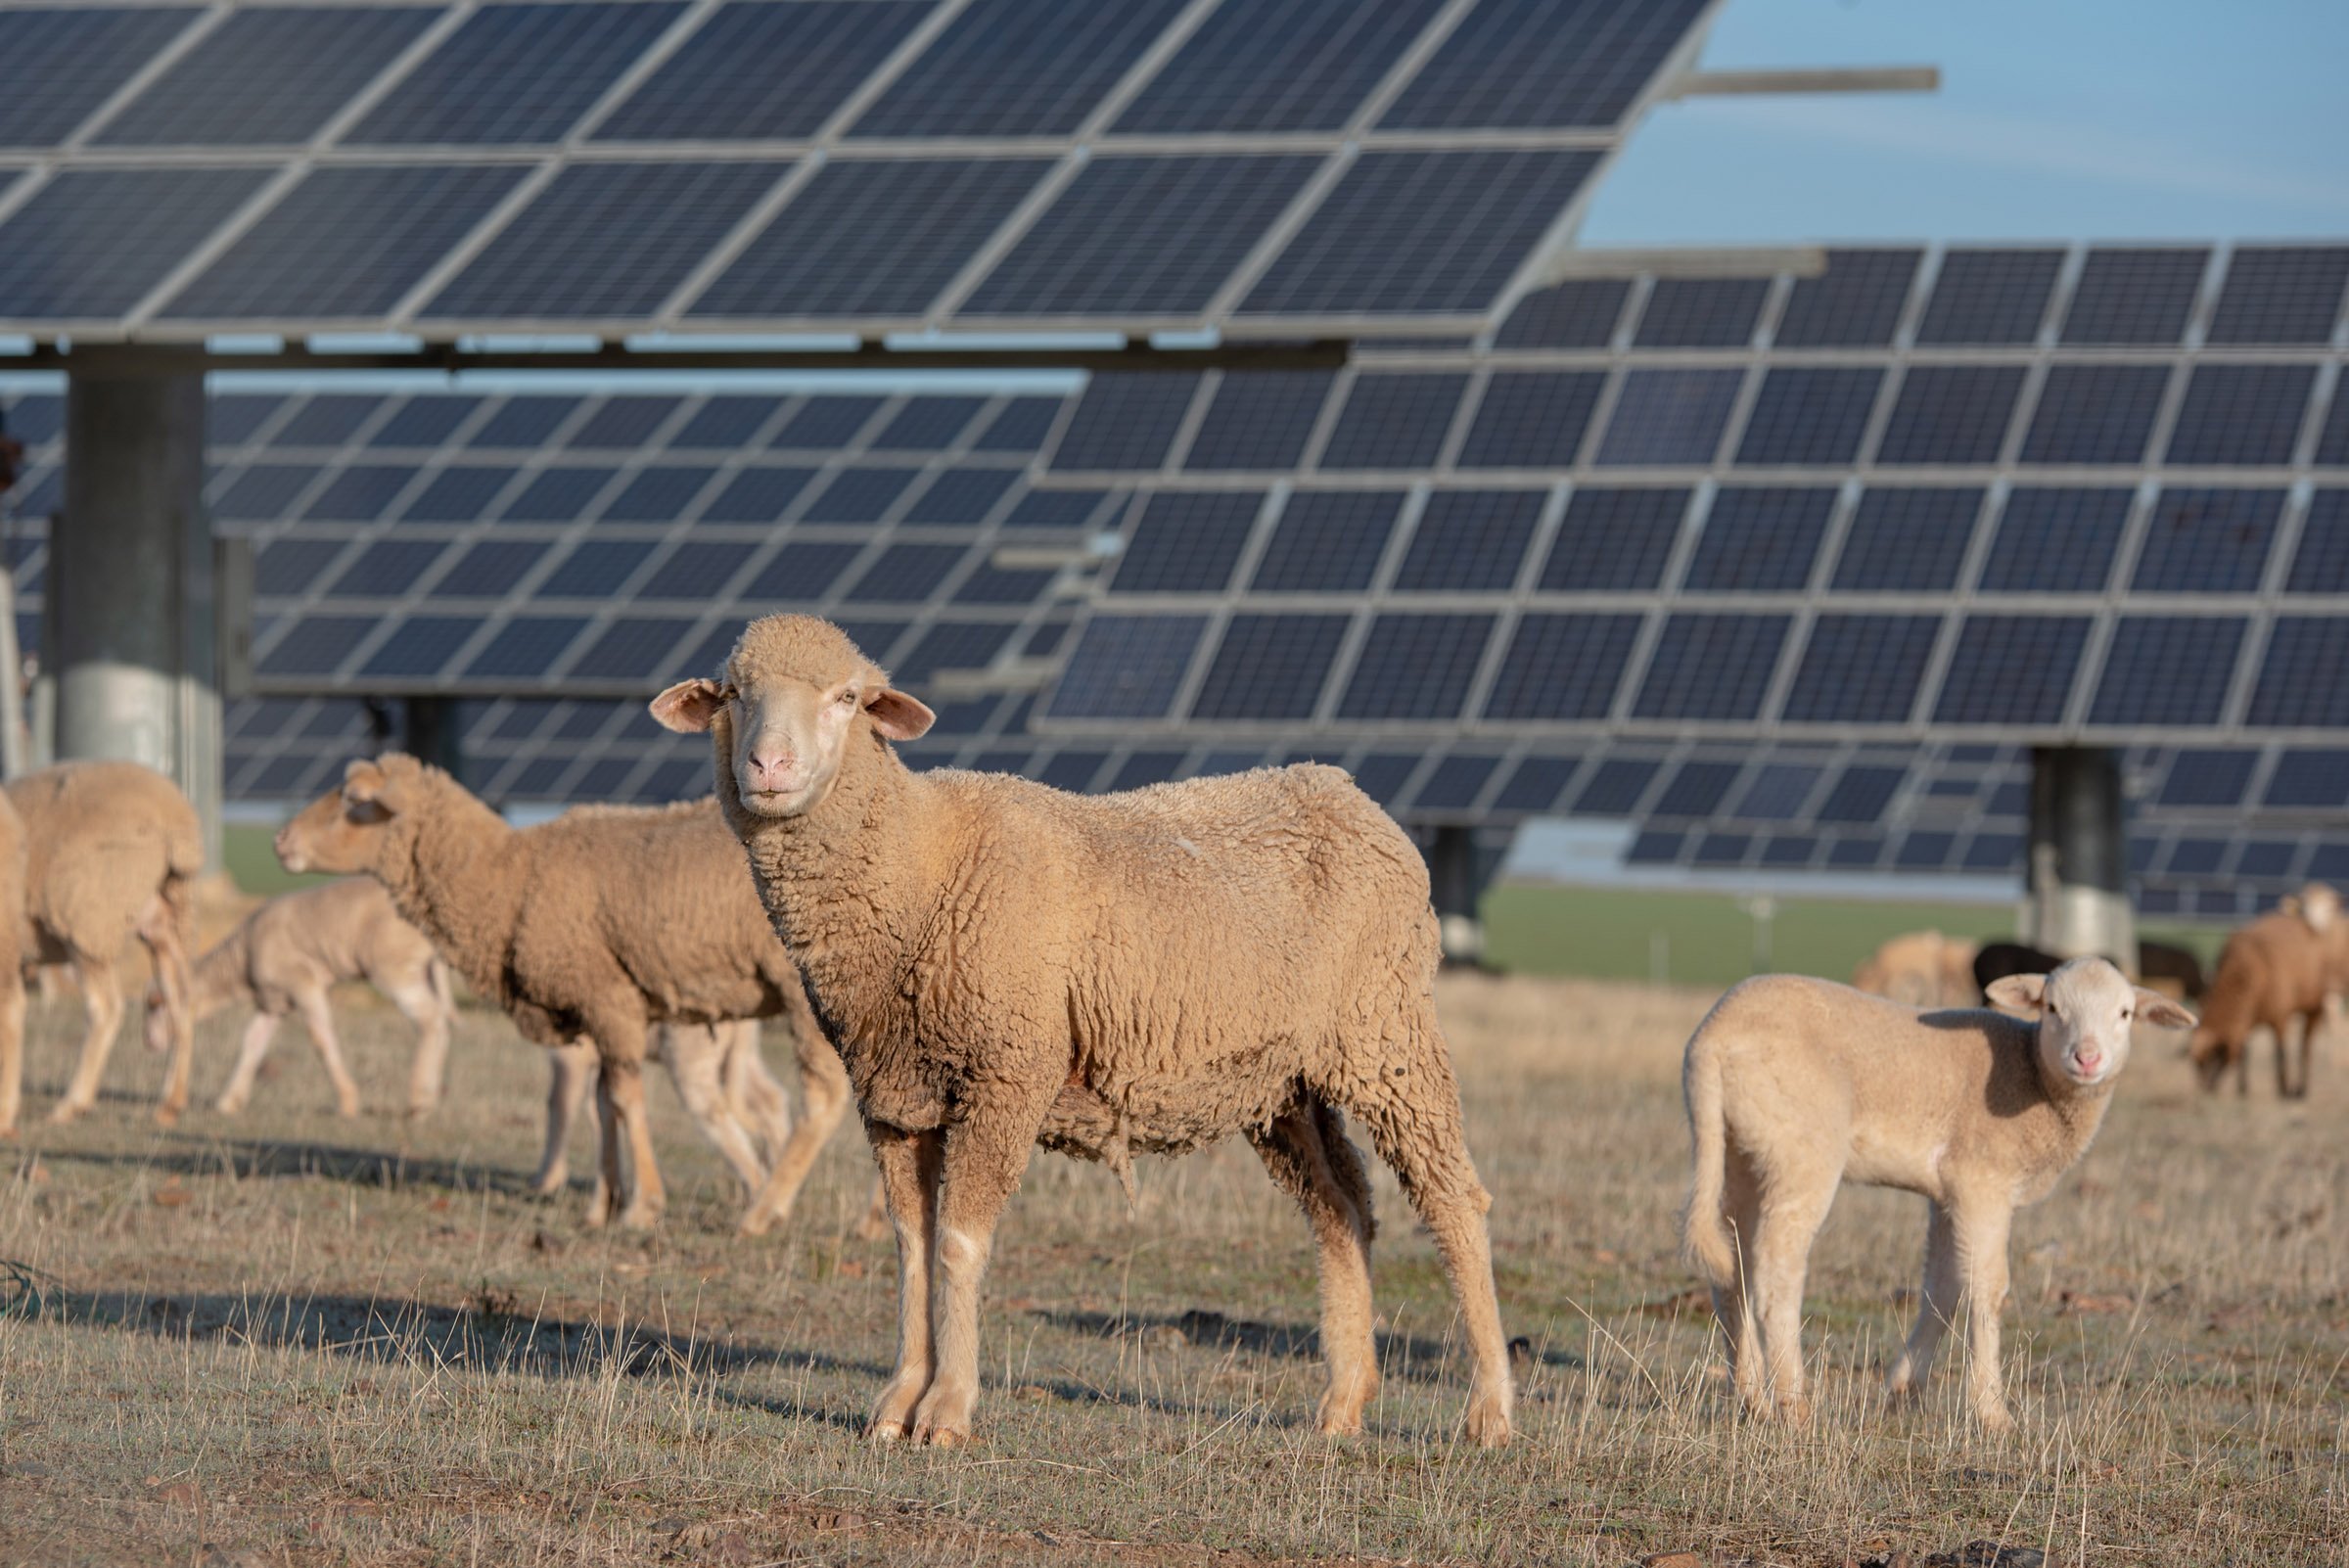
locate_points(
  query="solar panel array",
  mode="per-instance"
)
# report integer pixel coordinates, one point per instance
(628, 167)
(2065, 496)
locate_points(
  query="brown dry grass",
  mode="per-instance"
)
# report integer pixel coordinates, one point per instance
(288, 1339)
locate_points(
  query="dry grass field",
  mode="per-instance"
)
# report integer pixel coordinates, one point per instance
(283, 1338)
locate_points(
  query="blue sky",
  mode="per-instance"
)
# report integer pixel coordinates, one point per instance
(2056, 119)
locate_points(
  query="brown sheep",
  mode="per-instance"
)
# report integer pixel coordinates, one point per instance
(1003, 964)
(2274, 972)
(113, 849)
(1795, 1086)
(283, 959)
(1921, 969)
(14, 944)
(595, 926)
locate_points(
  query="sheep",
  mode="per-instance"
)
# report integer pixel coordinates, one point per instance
(2283, 966)
(1921, 969)
(282, 959)
(1794, 1085)
(111, 850)
(592, 927)
(1003, 964)
(13, 944)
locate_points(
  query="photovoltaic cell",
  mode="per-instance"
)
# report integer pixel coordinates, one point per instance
(1708, 666)
(2207, 541)
(266, 76)
(1416, 667)
(93, 242)
(1017, 67)
(2321, 562)
(1124, 423)
(1187, 542)
(1562, 666)
(1582, 313)
(2056, 540)
(605, 240)
(1861, 670)
(1142, 235)
(1327, 541)
(1857, 302)
(1951, 414)
(1668, 418)
(1990, 297)
(1259, 420)
(1277, 65)
(1270, 667)
(2300, 682)
(1701, 312)
(1543, 62)
(2095, 414)
(1759, 539)
(2281, 295)
(2011, 669)
(2135, 296)
(65, 61)
(1127, 666)
(1420, 232)
(2241, 415)
(1393, 421)
(344, 242)
(2167, 669)
(1469, 541)
(1531, 419)
(871, 237)
(763, 71)
(1614, 540)
(514, 73)
(1809, 415)
(1908, 540)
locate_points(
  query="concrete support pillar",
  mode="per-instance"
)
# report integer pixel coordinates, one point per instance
(129, 629)
(433, 735)
(2079, 871)
(1455, 882)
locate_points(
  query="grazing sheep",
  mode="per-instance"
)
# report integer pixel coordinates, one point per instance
(1003, 964)
(113, 849)
(594, 925)
(1795, 1086)
(1921, 969)
(2279, 969)
(15, 942)
(283, 957)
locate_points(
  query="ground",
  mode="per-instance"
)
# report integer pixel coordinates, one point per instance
(284, 1338)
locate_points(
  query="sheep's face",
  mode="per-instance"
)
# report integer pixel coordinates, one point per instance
(785, 732)
(344, 830)
(2086, 1010)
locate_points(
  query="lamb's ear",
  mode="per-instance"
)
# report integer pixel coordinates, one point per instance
(898, 717)
(689, 705)
(2019, 994)
(2153, 1008)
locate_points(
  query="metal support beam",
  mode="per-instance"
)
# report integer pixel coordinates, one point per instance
(129, 626)
(2078, 869)
(1454, 882)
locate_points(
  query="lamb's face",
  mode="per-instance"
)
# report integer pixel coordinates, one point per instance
(2087, 1009)
(344, 830)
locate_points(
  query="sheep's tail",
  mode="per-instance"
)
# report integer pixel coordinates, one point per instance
(1706, 1233)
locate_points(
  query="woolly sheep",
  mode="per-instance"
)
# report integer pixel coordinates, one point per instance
(1794, 1086)
(2282, 968)
(594, 925)
(1921, 969)
(14, 944)
(284, 956)
(111, 850)
(1003, 964)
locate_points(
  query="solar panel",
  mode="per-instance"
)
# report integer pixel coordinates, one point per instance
(1809, 416)
(1469, 541)
(1542, 62)
(1952, 414)
(1712, 666)
(1856, 302)
(2135, 296)
(1277, 65)
(1908, 540)
(1531, 419)
(2241, 415)
(514, 73)
(1760, 538)
(1862, 668)
(1990, 297)
(1327, 541)
(1270, 667)
(1614, 540)
(2207, 541)
(1563, 667)
(1669, 418)
(2095, 414)
(2281, 294)
(2167, 669)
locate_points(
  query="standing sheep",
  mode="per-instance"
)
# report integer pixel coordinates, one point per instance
(113, 849)
(595, 926)
(1003, 964)
(1794, 1086)
(283, 957)
(2277, 970)
(1921, 969)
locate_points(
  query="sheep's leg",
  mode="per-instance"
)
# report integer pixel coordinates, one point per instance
(909, 1165)
(572, 1074)
(1305, 1149)
(420, 1004)
(1944, 1287)
(1734, 1305)
(1981, 1250)
(251, 1051)
(1793, 1212)
(103, 1000)
(694, 1053)
(12, 1049)
(319, 1020)
(824, 1086)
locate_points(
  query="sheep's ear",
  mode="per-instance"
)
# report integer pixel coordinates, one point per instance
(689, 705)
(898, 717)
(2153, 1008)
(2019, 994)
